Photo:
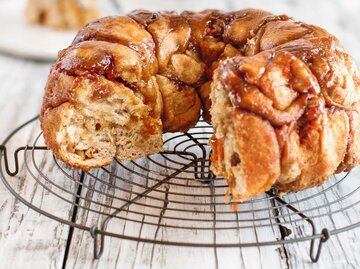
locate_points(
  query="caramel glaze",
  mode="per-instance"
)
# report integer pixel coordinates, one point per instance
(203, 40)
(313, 70)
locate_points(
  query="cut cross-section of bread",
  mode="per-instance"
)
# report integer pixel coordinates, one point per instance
(103, 119)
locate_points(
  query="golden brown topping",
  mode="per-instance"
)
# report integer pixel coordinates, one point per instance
(285, 96)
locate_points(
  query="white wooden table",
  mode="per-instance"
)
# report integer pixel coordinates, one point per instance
(29, 240)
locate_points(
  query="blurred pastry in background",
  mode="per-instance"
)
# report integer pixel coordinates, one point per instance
(62, 14)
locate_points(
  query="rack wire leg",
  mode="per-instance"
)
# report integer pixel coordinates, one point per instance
(326, 236)
(16, 158)
(97, 251)
(325, 233)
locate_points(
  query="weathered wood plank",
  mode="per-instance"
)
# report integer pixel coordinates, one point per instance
(336, 216)
(27, 239)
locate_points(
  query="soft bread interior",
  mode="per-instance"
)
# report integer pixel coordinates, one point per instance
(83, 141)
(225, 156)
(106, 120)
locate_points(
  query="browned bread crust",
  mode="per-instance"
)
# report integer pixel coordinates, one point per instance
(283, 96)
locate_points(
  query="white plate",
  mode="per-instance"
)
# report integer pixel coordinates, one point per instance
(21, 39)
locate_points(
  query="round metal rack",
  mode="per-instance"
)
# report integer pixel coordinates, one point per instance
(172, 192)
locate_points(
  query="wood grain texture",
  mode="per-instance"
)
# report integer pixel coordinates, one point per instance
(29, 240)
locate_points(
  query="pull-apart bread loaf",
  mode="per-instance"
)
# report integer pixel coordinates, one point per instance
(283, 96)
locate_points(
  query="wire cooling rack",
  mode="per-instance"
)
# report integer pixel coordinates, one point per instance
(172, 193)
